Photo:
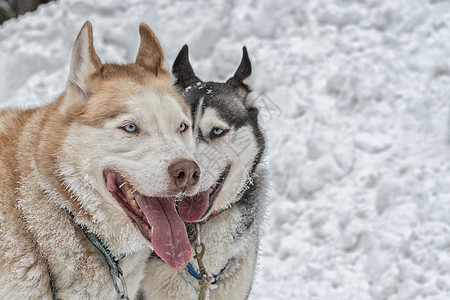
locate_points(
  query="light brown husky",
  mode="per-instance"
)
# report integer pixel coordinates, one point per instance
(88, 182)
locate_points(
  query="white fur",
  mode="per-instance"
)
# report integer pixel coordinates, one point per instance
(238, 148)
(143, 160)
(80, 275)
(161, 282)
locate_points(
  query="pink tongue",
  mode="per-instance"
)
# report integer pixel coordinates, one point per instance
(169, 237)
(193, 208)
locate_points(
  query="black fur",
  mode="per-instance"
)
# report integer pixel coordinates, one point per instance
(223, 98)
(220, 96)
(182, 69)
(244, 71)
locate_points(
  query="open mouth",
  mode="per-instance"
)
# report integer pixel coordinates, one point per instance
(157, 218)
(213, 192)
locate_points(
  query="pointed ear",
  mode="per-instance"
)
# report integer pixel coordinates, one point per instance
(242, 77)
(150, 54)
(242, 80)
(182, 69)
(83, 64)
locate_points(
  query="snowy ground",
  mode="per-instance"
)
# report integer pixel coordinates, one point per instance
(355, 99)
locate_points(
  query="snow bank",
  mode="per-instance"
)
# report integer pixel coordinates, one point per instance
(355, 102)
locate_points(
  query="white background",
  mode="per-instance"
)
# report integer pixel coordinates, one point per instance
(354, 96)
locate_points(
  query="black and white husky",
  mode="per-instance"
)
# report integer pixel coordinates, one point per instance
(229, 147)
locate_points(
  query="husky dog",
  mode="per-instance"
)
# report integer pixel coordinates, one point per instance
(229, 149)
(90, 180)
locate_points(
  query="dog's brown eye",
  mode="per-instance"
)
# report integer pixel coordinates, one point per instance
(183, 127)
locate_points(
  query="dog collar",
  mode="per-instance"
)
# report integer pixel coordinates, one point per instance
(196, 274)
(215, 213)
(114, 268)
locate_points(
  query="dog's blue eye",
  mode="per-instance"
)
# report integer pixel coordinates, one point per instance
(131, 127)
(183, 127)
(218, 131)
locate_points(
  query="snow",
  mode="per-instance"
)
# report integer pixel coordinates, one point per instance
(354, 98)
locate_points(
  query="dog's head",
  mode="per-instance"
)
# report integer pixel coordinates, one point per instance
(129, 148)
(229, 141)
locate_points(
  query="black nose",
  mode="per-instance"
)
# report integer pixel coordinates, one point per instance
(184, 174)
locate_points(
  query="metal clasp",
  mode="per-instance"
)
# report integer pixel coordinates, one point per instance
(119, 283)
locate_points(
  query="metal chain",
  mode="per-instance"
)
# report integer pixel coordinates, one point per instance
(203, 283)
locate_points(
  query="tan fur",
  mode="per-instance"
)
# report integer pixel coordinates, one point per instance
(38, 191)
(113, 84)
